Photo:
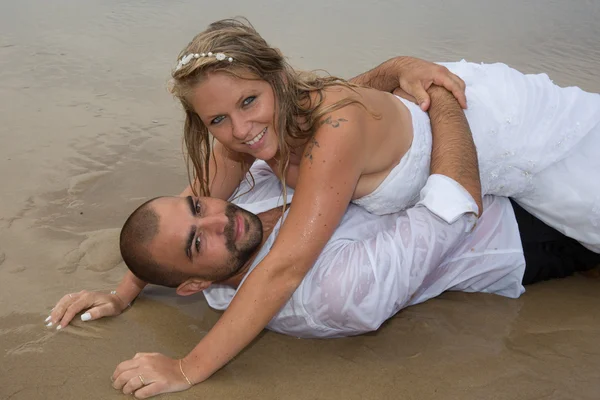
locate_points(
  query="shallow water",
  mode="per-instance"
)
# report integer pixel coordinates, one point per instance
(89, 131)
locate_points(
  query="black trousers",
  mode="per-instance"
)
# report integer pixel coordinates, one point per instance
(548, 253)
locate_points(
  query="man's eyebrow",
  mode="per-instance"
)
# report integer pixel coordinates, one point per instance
(191, 204)
(188, 247)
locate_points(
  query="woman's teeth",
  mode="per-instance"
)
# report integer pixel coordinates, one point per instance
(257, 137)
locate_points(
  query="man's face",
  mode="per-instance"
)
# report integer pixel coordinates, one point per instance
(204, 237)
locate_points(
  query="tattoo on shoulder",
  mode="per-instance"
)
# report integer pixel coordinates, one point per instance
(309, 148)
(313, 142)
(333, 122)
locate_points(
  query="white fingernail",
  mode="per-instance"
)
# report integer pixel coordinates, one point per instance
(58, 328)
(49, 324)
(86, 317)
(48, 319)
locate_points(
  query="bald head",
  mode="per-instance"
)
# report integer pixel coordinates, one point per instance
(137, 234)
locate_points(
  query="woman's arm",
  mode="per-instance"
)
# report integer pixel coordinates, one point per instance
(332, 164)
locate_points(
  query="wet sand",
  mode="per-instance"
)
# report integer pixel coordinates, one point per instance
(89, 131)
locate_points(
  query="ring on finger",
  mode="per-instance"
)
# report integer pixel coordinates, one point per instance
(142, 380)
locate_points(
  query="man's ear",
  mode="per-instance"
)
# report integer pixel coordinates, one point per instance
(191, 286)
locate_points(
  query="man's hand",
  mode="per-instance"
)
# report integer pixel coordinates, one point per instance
(97, 304)
(416, 77)
(149, 374)
(413, 77)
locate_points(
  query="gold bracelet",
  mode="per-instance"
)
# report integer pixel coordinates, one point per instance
(183, 373)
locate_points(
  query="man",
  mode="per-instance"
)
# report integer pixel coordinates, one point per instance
(372, 267)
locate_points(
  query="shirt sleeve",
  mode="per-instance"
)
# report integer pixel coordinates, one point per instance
(446, 198)
(359, 284)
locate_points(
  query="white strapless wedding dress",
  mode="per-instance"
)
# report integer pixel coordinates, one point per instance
(536, 142)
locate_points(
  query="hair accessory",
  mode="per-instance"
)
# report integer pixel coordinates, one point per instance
(188, 57)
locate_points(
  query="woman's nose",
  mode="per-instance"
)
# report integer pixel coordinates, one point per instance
(242, 128)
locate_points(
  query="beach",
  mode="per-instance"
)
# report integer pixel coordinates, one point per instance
(89, 131)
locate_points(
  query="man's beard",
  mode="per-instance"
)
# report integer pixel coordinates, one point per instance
(240, 254)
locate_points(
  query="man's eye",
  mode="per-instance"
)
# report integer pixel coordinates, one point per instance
(249, 100)
(197, 243)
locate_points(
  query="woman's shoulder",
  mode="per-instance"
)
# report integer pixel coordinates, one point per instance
(340, 99)
(336, 92)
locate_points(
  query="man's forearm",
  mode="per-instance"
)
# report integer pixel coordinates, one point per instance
(384, 77)
(453, 150)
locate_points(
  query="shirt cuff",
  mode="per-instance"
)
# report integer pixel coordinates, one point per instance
(446, 198)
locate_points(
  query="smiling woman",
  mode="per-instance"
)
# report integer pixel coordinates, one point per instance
(256, 105)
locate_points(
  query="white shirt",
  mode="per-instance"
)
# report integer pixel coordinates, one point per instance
(373, 266)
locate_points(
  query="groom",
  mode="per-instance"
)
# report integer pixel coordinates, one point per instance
(372, 267)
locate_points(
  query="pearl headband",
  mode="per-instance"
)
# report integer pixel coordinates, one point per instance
(187, 58)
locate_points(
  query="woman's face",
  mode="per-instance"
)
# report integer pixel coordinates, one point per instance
(239, 113)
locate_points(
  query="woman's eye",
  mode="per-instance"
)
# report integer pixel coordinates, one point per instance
(198, 207)
(217, 120)
(249, 100)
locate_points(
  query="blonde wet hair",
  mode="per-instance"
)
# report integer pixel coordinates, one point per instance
(248, 56)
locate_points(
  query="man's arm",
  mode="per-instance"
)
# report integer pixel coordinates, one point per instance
(453, 150)
(414, 76)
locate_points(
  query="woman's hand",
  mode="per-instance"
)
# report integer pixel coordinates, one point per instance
(150, 374)
(97, 304)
